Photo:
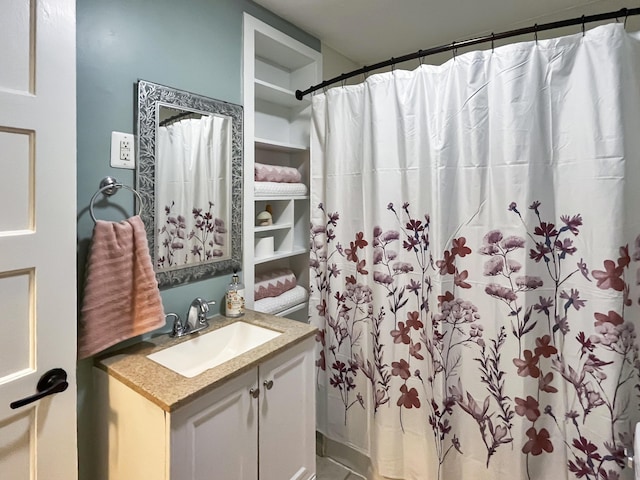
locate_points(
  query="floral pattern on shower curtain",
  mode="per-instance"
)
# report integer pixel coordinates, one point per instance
(475, 261)
(192, 186)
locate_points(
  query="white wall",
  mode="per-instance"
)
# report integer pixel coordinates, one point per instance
(334, 64)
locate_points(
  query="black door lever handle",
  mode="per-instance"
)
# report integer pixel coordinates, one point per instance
(53, 381)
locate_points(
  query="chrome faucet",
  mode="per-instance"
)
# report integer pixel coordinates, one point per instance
(196, 320)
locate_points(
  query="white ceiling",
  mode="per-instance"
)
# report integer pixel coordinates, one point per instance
(371, 31)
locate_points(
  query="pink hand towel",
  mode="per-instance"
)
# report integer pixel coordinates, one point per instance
(121, 296)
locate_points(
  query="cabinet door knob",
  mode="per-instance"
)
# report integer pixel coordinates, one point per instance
(254, 392)
(268, 384)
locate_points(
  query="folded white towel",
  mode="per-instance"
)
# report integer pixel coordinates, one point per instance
(265, 189)
(282, 302)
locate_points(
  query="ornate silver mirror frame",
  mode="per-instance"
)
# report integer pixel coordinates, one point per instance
(151, 98)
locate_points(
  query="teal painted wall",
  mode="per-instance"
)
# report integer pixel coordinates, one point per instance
(193, 45)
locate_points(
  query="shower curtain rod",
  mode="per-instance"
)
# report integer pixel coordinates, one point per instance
(174, 118)
(623, 13)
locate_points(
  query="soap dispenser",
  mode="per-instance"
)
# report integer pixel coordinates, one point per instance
(235, 297)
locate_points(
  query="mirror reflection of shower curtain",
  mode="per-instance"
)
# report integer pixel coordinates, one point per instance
(475, 262)
(192, 191)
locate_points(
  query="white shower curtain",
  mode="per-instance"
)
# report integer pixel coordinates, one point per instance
(475, 254)
(192, 185)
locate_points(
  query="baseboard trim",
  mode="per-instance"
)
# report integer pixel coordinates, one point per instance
(345, 455)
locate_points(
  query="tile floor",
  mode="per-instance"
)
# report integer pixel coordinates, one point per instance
(327, 469)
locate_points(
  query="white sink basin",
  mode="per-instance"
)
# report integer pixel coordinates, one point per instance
(206, 351)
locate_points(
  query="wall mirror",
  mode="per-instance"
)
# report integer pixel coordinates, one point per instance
(189, 176)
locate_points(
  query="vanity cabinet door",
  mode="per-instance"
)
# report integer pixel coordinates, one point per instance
(287, 415)
(215, 436)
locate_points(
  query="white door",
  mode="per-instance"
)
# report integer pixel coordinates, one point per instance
(37, 237)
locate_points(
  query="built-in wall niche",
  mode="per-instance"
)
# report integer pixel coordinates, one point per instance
(277, 133)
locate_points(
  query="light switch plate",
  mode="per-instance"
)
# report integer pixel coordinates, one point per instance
(122, 150)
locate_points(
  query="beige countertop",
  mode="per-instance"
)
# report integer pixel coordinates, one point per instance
(168, 389)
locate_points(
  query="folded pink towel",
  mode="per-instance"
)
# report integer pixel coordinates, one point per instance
(273, 283)
(275, 173)
(121, 296)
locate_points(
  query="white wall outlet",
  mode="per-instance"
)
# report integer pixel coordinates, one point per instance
(122, 150)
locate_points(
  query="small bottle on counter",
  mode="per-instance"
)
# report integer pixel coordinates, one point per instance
(235, 297)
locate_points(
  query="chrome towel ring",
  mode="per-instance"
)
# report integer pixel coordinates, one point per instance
(108, 187)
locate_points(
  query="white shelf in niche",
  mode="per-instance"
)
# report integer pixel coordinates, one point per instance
(274, 51)
(269, 228)
(278, 95)
(292, 309)
(279, 255)
(266, 144)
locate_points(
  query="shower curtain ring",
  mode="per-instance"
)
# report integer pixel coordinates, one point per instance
(453, 49)
(535, 33)
(583, 25)
(493, 47)
(626, 15)
(420, 57)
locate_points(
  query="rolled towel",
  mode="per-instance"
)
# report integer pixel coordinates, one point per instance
(272, 284)
(276, 173)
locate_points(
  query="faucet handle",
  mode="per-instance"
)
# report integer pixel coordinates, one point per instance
(178, 329)
(205, 308)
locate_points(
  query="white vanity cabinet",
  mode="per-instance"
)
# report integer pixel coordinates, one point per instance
(259, 425)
